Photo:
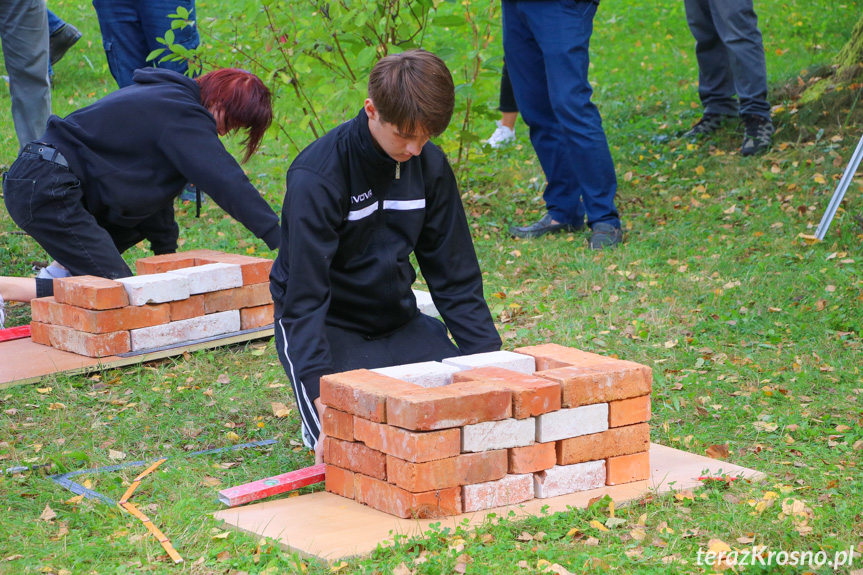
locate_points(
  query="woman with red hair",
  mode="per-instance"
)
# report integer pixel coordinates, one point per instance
(105, 177)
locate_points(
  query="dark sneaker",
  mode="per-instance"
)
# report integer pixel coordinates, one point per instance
(60, 42)
(542, 227)
(708, 124)
(605, 236)
(758, 134)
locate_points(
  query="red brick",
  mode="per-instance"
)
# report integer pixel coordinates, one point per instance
(414, 446)
(167, 262)
(39, 333)
(338, 424)
(90, 292)
(252, 317)
(611, 443)
(452, 405)
(553, 356)
(443, 473)
(530, 395)
(238, 298)
(192, 306)
(355, 457)
(82, 343)
(627, 468)
(47, 310)
(601, 382)
(339, 481)
(255, 270)
(532, 458)
(396, 501)
(629, 411)
(361, 392)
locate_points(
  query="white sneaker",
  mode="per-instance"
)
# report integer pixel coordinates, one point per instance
(2, 312)
(502, 136)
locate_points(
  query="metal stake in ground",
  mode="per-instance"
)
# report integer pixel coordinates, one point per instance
(840, 191)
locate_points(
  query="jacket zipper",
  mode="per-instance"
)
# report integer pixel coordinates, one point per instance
(398, 170)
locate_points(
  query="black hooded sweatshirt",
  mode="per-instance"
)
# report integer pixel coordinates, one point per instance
(135, 149)
(351, 218)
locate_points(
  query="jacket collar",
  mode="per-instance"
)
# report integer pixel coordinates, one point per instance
(376, 165)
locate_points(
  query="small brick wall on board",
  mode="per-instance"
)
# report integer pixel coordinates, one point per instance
(487, 430)
(175, 298)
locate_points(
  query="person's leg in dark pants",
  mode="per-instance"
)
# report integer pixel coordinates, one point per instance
(46, 201)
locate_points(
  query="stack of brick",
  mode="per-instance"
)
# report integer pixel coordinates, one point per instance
(175, 298)
(483, 431)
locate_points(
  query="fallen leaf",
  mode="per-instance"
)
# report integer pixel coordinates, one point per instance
(43, 390)
(56, 406)
(222, 535)
(638, 534)
(280, 409)
(13, 557)
(48, 514)
(210, 482)
(597, 525)
(718, 451)
(116, 455)
(223, 556)
(224, 378)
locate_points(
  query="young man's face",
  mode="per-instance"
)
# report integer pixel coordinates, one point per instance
(390, 140)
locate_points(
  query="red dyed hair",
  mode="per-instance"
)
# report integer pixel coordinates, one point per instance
(245, 100)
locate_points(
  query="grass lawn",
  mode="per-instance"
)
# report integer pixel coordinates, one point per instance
(753, 334)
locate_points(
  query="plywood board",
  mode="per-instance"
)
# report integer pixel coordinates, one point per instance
(22, 361)
(331, 527)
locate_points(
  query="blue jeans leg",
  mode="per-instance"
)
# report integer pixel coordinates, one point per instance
(129, 31)
(54, 23)
(546, 43)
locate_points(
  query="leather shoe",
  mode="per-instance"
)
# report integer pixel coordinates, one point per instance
(542, 227)
(605, 236)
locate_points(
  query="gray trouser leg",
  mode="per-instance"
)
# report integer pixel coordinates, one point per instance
(730, 54)
(24, 33)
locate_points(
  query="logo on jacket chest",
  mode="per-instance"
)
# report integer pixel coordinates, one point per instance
(360, 198)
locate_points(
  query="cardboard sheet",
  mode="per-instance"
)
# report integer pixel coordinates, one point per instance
(331, 527)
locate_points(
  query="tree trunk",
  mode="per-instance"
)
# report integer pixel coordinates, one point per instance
(850, 57)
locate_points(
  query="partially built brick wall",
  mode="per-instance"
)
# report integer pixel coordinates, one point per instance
(175, 298)
(483, 431)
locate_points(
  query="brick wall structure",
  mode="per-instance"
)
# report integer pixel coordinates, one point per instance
(174, 298)
(507, 427)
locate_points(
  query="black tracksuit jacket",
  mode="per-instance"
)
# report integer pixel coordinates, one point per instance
(349, 226)
(135, 149)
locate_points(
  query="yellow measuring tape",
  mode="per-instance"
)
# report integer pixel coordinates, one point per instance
(132, 509)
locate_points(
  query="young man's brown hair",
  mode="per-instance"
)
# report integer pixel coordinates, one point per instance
(413, 91)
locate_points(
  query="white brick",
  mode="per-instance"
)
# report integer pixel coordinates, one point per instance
(505, 359)
(567, 423)
(425, 374)
(564, 479)
(510, 490)
(155, 288)
(211, 277)
(186, 330)
(501, 434)
(425, 303)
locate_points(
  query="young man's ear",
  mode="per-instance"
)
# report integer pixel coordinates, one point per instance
(370, 109)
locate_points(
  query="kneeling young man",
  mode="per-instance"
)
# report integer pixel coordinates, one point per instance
(359, 201)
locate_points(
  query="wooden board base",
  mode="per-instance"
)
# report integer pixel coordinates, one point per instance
(330, 527)
(22, 361)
